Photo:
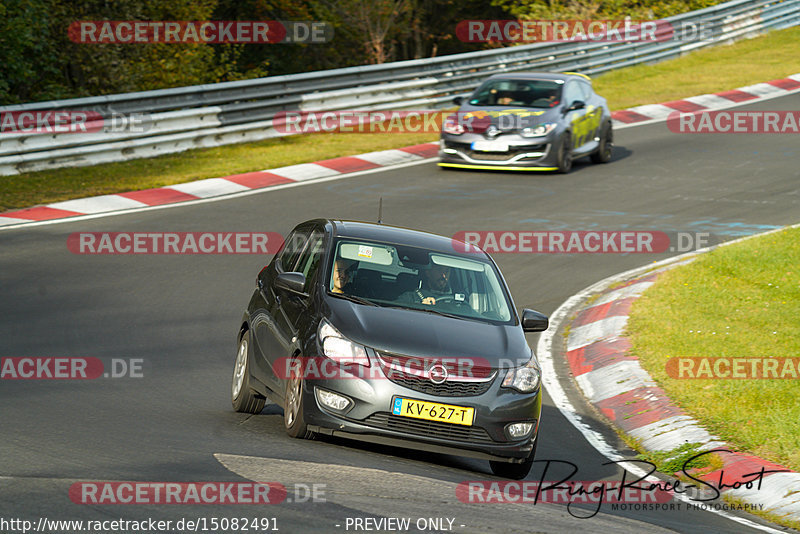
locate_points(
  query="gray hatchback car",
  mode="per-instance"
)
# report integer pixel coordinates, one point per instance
(528, 122)
(395, 336)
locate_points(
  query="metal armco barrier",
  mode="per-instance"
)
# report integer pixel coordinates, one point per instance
(216, 114)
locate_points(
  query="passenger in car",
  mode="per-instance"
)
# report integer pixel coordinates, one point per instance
(343, 276)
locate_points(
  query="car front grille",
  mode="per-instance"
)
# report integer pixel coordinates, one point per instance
(497, 156)
(433, 429)
(465, 380)
(445, 389)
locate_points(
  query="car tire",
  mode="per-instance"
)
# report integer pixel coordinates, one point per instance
(606, 148)
(243, 398)
(293, 416)
(514, 471)
(565, 153)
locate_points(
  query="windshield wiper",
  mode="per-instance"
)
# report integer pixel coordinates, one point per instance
(427, 310)
(353, 298)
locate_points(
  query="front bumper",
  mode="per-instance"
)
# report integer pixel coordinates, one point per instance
(370, 418)
(523, 154)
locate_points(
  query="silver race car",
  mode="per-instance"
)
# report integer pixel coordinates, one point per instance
(528, 122)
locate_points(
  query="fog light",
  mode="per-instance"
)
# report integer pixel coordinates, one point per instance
(519, 430)
(332, 400)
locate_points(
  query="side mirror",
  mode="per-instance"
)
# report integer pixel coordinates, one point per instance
(577, 104)
(458, 100)
(291, 282)
(533, 321)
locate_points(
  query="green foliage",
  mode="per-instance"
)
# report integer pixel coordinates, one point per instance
(39, 62)
(596, 10)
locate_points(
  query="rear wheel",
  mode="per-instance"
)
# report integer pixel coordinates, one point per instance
(565, 153)
(243, 398)
(293, 419)
(604, 151)
(514, 471)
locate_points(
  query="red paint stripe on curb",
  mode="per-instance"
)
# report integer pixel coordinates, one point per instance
(786, 83)
(737, 96)
(41, 213)
(424, 150)
(638, 407)
(615, 308)
(648, 278)
(737, 466)
(257, 180)
(628, 116)
(156, 197)
(348, 164)
(684, 105)
(598, 354)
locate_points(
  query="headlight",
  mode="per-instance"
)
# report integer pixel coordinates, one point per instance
(539, 130)
(453, 127)
(524, 379)
(338, 348)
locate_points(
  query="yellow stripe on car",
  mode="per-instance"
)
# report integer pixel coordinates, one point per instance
(496, 167)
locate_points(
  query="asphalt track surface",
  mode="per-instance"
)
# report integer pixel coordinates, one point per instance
(180, 315)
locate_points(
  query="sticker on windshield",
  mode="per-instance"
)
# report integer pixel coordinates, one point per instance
(364, 251)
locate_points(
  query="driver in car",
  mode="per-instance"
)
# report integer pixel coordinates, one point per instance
(435, 285)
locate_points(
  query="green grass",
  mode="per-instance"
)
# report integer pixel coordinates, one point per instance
(715, 69)
(742, 301)
(44, 187)
(709, 70)
(672, 462)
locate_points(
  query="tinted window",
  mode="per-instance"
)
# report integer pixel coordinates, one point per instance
(525, 93)
(390, 275)
(586, 90)
(572, 92)
(309, 260)
(292, 247)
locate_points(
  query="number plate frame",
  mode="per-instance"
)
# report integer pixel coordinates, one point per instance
(419, 409)
(491, 145)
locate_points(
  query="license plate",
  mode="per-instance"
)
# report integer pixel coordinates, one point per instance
(433, 411)
(489, 146)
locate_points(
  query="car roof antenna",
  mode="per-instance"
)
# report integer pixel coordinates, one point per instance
(380, 210)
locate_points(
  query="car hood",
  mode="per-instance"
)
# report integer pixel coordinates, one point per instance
(427, 335)
(493, 114)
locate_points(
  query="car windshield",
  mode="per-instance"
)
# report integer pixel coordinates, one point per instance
(392, 275)
(525, 93)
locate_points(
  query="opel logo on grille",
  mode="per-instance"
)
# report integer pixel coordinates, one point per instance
(437, 373)
(492, 130)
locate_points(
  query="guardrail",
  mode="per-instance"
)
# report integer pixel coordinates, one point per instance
(216, 114)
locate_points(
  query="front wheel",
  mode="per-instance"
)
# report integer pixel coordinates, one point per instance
(242, 396)
(565, 153)
(606, 148)
(293, 419)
